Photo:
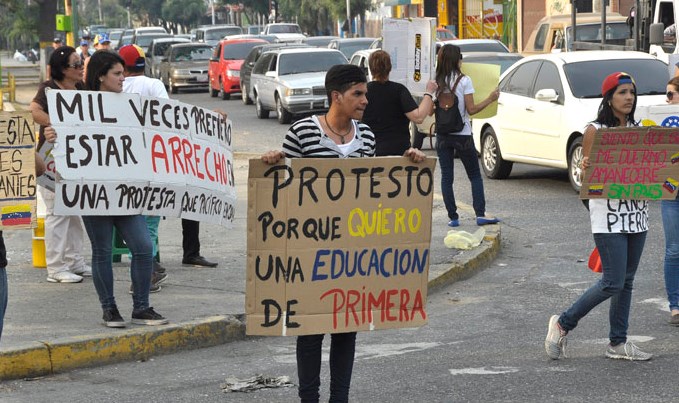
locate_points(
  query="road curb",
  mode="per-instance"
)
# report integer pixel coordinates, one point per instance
(468, 264)
(49, 357)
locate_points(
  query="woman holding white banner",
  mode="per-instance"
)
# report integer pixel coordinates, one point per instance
(105, 73)
(338, 134)
(64, 235)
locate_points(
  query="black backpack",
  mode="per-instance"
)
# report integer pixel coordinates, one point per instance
(447, 113)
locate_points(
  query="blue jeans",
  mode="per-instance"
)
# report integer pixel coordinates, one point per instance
(620, 255)
(342, 348)
(136, 235)
(670, 223)
(3, 296)
(445, 148)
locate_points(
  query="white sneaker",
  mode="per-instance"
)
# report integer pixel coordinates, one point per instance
(555, 342)
(627, 351)
(84, 271)
(64, 277)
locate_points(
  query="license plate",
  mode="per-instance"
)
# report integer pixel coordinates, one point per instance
(201, 79)
(325, 103)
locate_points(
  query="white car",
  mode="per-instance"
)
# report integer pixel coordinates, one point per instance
(547, 100)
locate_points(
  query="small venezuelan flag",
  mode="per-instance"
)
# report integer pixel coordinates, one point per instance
(670, 184)
(16, 215)
(596, 190)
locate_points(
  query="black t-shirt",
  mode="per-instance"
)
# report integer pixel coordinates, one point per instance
(388, 103)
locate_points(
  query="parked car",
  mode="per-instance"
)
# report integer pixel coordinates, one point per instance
(255, 29)
(143, 40)
(319, 41)
(184, 65)
(554, 33)
(545, 102)
(419, 131)
(155, 52)
(267, 38)
(360, 59)
(292, 81)
(350, 45)
(249, 63)
(149, 30)
(284, 32)
(225, 64)
(114, 35)
(214, 33)
(475, 45)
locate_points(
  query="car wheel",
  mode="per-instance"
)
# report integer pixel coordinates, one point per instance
(575, 157)
(261, 112)
(245, 96)
(416, 136)
(223, 94)
(491, 157)
(284, 117)
(173, 89)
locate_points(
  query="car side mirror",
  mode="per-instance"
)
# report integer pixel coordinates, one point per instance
(547, 95)
(657, 34)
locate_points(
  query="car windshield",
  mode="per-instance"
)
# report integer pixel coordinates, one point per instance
(222, 32)
(615, 32)
(161, 47)
(190, 53)
(350, 48)
(482, 47)
(285, 29)
(308, 62)
(143, 41)
(503, 62)
(238, 51)
(585, 78)
(114, 36)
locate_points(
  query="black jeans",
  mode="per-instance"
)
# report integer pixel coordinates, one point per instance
(190, 241)
(342, 348)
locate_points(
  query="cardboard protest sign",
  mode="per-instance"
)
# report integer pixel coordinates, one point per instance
(410, 44)
(338, 245)
(485, 78)
(633, 163)
(17, 171)
(123, 154)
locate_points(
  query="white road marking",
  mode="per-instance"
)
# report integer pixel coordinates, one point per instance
(661, 302)
(484, 371)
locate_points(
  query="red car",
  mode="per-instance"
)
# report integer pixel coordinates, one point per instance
(224, 69)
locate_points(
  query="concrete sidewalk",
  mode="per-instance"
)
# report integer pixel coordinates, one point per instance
(51, 328)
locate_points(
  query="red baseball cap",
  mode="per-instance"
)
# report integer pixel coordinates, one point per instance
(613, 80)
(133, 56)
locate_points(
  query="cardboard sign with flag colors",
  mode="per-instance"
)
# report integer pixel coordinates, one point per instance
(633, 163)
(17, 171)
(338, 245)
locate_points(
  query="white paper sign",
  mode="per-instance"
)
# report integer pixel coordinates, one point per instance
(122, 154)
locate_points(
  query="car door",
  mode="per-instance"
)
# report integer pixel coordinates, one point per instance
(512, 113)
(214, 66)
(544, 136)
(269, 82)
(257, 78)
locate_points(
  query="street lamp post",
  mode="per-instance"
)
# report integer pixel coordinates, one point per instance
(212, 4)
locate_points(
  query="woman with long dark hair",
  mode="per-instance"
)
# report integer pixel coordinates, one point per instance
(448, 73)
(105, 73)
(64, 235)
(620, 241)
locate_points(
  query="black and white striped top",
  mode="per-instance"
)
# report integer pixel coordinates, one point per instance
(306, 139)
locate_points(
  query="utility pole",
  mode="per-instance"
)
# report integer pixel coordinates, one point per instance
(349, 33)
(212, 4)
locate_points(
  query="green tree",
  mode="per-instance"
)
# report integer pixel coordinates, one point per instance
(18, 24)
(187, 13)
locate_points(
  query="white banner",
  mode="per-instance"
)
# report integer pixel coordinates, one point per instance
(123, 154)
(410, 43)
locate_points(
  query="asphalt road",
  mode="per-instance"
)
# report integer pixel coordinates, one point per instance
(484, 340)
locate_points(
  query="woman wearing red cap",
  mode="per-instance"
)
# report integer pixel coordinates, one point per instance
(620, 241)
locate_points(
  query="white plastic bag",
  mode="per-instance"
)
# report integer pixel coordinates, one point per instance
(19, 57)
(463, 239)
